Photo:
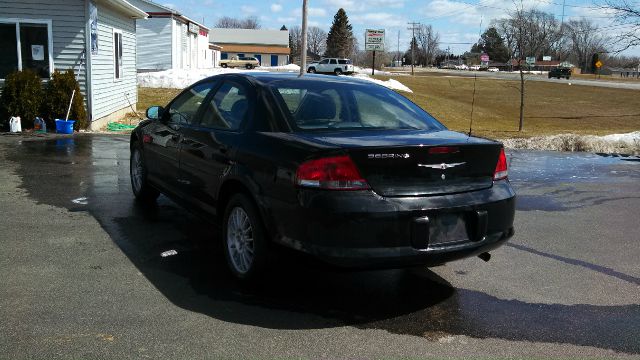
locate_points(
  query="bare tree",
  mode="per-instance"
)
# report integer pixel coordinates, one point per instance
(233, 23)
(543, 33)
(316, 40)
(428, 41)
(627, 15)
(295, 43)
(585, 40)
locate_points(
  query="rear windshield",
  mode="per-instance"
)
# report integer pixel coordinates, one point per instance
(322, 105)
(344, 61)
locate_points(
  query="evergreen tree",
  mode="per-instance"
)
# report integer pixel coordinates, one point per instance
(340, 40)
(492, 44)
(416, 52)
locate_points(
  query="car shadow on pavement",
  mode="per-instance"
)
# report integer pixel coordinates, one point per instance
(299, 292)
(302, 293)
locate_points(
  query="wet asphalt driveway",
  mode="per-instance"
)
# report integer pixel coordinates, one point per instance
(84, 276)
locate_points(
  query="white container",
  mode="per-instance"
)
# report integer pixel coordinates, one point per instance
(14, 124)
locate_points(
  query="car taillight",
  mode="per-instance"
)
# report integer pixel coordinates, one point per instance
(501, 168)
(335, 173)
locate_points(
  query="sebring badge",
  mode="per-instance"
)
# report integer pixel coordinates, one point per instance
(388, 156)
(442, 166)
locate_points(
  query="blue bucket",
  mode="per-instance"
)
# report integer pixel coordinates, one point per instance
(64, 126)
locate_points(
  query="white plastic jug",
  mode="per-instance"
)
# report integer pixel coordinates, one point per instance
(14, 124)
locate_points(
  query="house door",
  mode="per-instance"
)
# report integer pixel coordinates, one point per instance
(274, 60)
(259, 57)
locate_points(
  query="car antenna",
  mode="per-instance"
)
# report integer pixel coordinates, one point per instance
(473, 101)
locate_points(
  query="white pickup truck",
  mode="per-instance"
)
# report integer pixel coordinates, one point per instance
(245, 62)
(331, 66)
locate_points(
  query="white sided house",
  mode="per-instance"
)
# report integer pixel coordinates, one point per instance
(169, 40)
(95, 38)
(270, 47)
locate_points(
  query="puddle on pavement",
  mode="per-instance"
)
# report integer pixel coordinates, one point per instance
(410, 301)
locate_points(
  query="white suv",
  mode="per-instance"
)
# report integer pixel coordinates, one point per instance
(331, 66)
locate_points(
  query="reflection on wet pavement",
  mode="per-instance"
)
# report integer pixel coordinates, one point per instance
(545, 180)
(175, 251)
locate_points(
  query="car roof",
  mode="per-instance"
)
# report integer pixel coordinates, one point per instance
(268, 77)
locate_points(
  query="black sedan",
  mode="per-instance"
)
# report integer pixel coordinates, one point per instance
(337, 167)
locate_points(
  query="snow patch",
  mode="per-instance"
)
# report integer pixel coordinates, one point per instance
(283, 68)
(627, 143)
(391, 83)
(180, 78)
(367, 71)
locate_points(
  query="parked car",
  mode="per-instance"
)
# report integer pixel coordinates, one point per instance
(474, 67)
(245, 62)
(493, 69)
(341, 168)
(331, 66)
(462, 67)
(560, 73)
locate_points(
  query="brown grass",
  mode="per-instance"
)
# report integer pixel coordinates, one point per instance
(154, 96)
(550, 108)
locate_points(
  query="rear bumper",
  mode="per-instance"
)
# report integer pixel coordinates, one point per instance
(364, 229)
(406, 256)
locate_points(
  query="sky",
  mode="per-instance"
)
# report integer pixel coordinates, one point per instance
(459, 22)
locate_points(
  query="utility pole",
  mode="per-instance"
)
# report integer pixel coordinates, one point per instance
(398, 53)
(414, 26)
(303, 55)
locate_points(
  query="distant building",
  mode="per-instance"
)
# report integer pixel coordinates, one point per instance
(623, 72)
(270, 47)
(170, 40)
(97, 39)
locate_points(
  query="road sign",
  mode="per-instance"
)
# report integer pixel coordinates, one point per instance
(374, 40)
(374, 47)
(531, 60)
(546, 58)
(484, 57)
(599, 64)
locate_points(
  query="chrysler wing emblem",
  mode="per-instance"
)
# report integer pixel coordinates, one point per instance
(442, 166)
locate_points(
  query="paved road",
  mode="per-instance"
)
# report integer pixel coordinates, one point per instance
(632, 85)
(83, 275)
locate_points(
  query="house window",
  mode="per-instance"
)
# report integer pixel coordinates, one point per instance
(117, 54)
(25, 44)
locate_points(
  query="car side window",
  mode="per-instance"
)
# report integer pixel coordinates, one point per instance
(333, 61)
(228, 108)
(185, 107)
(325, 61)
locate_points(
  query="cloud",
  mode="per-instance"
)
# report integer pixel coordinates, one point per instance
(310, 12)
(248, 10)
(276, 8)
(288, 20)
(357, 6)
(379, 19)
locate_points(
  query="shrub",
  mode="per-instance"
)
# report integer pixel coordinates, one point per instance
(56, 100)
(21, 96)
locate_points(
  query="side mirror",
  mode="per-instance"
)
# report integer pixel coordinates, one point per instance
(154, 112)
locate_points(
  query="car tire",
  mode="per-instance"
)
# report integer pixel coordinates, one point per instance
(138, 173)
(337, 72)
(224, 66)
(244, 239)
(249, 66)
(311, 70)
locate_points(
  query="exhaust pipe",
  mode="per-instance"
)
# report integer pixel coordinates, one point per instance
(485, 256)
